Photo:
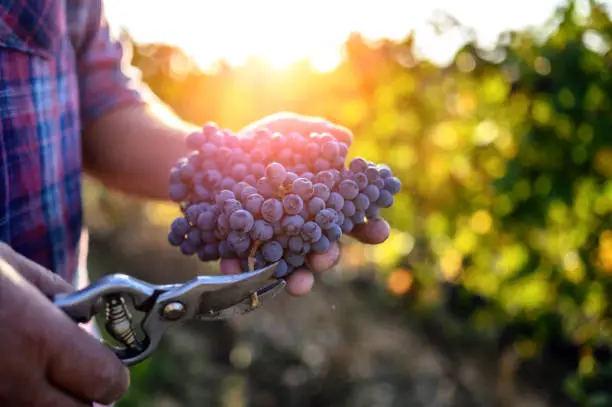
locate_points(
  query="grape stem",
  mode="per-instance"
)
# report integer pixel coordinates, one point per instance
(251, 260)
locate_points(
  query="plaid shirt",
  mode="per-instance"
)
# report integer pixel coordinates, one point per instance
(60, 69)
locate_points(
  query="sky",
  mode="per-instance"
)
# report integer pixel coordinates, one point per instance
(283, 31)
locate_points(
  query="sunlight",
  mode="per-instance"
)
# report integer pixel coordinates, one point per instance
(284, 32)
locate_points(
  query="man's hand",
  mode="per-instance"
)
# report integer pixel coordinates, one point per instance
(46, 359)
(373, 232)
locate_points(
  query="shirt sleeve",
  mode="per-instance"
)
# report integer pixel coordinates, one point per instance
(106, 78)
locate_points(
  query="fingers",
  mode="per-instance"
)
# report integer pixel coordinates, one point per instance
(375, 231)
(230, 266)
(50, 396)
(300, 282)
(319, 262)
(84, 367)
(45, 280)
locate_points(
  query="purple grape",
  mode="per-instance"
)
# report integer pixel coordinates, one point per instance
(283, 240)
(300, 168)
(225, 250)
(296, 244)
(175, 239)
(272, 251)
(347, 225)
(335, 201)
(384, 171)
(253, 203)
(372, 173)
(358, 164)
(175, 175)
(262, 231)
(311, 232)
(342, 150)
(258, 170)
(208, 252)
(272, 210)
(210, 129)
(292, 225)
(216, 209)
(325, 177)
(276, 173)
(321, 246)
(207, 236)
(240, 242)
(315, 205)
(358, 218)
(227, 183)
(241, 221)
(223, 226)
(362, 202)
(195, 139)
(325, 137)
(223, 155)
(393, 185)
(178, 192)
(372, 211)
(223, 196)
(293, 204)
(246, 192)
(339, 218)
(349, 208)
(192, 213)
(277, 227)
(230, 206)
(304, 214)
(208, 150)
(212, 178)
(333, 233)
(330, 150)
(379, 183)
(187, 248)
(294, 259)
(179, 226)
(308, 175)
(321, 164)
(372, 192)
(282, 269)
(385, 200)
(238, 188)
(361, 180)
(326, 218)
(321, 191)
(313, 151)
(193, 237)
(201, 193)
(303, 187)
(264, 188)
(348, 189)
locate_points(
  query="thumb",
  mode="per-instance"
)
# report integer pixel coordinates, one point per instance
(45, 280)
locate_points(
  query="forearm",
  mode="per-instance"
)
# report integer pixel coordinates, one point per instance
(132, 149)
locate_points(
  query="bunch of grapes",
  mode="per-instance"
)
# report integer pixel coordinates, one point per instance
(269, 197)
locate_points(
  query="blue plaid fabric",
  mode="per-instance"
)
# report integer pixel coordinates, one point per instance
(60, 69)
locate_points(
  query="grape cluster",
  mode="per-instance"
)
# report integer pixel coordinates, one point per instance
(266, 197)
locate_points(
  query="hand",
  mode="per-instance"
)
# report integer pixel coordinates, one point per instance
(375, 231)
(47, 359)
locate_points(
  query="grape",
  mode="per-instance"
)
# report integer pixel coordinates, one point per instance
(175, 239)
(212, 178)
(179, 226)
(230, 206)
(358, 164)
(216, 209)
(209, 252)
(372, 173)
(385, 200)
(192, 213)
(294, 259)
(321, 245)
(342, 150)
(201, 193)
(276, 226)
(282, 269)
(384, 171)
(361, 180)
(253, 203)
(333, 233)
(292, 225)
(272, 210)
(262, 231)
(238, 188)
(296, 244)
(302, 187)
(339, 218)
(223, 225)
(207, 236)
(361, 202)
(338, 163)
(358, 218)
(313, 150)
(348, 189)
(293, 204)
(272, 251)
(246, 192)
(330, 150)
(223, 196)
(225, 250)
(283, 240)
(347, 225)
(349, 208)
(335, 201)
(263, 187)
(193, 237)
(187, 248)
(311, 231)
(223, 154)
(372, 211)
(379, 183)
(195, 139)
(276, 173)
(208, 150)
(321, 191)
(321, 164)
(326, 218)
(175, 176)
(291, 176)
(325, 177)
(372, 192)
(250, 179)
(258, 170)
(239, 241)
(241, 221)
(227, 183)
(178, 192)
(300, 168)
(308, 175)
(209, 129)
(393, 185)
(315, 205)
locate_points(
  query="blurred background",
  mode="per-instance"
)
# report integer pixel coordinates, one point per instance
(494, 288)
